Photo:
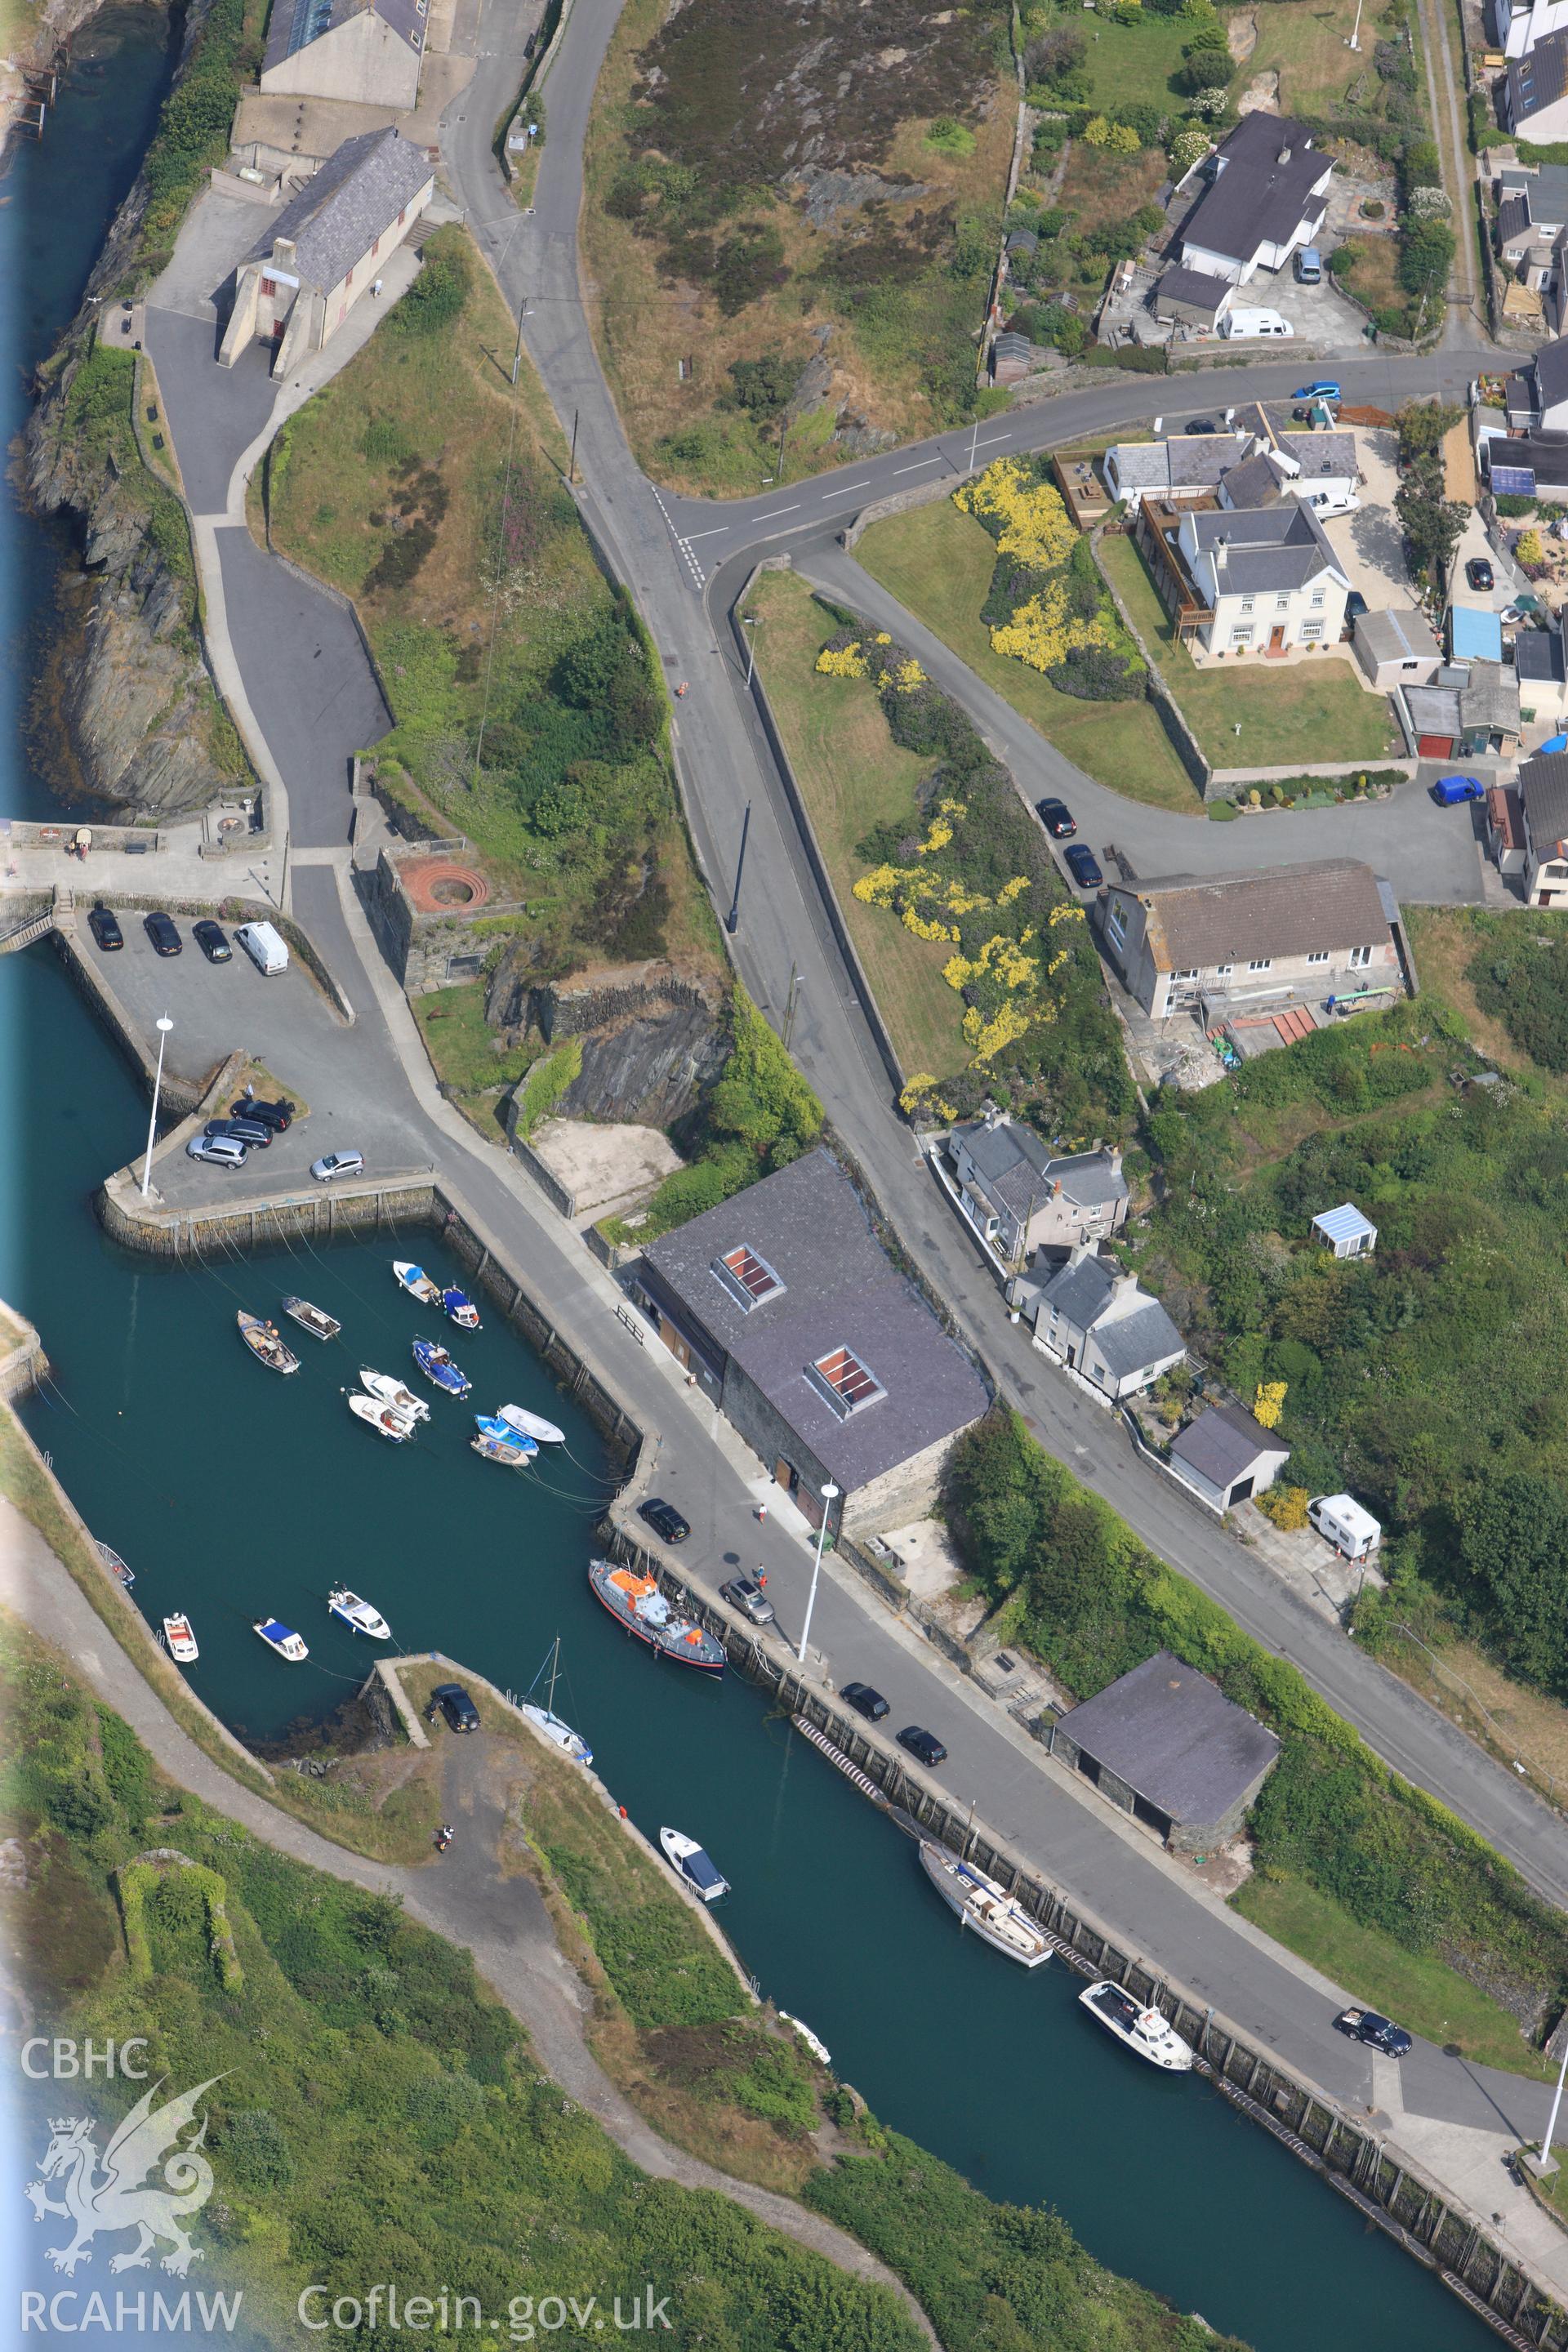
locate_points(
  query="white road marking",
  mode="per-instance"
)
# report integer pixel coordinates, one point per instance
(778, 510)
(842, 488)
(918, 464)
(993, 440)
(717, 533)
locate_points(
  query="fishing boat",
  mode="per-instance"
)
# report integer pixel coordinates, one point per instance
(985, 1906)
(416, 1282)
(460, 1308)
(114, 1564)
(437, 1367)
(279, 1637)
(570, 1743)
(636, 1602)
(816, 2048)
(505, 1451)
(686, 1859)
(181, 1642)
(490, 1424)
(394, 1392)
(357, 1614)
(531, 1424)
(384, 1419)
(265, 1343)
(314, 1319)
(1143, 2031)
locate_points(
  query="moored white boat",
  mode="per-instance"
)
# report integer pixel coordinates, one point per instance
(314, 1319)
(357, 1614)
(817, 2049)
(984, 1905)
(280, 1637)
(266, 1343)
(460, 1308)
(570, 1743)
(1143, 2031)
(114, 1564)
(531, 1424)
(384, 1419)
(181, 1642)
(394, 1392)
(438, 1368)
(698, 1869)
(507, 1452)
(416, 1282)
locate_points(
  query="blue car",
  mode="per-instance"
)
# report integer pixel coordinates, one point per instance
(1449, 791)
(1325, 390)
(1082, 865)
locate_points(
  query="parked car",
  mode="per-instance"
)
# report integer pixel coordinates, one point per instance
(455, 1705)
(209, 937)
(337, 1164)
(221, 1150)
(664, 1519)
(1377, 2033)
(1448, 791)
(1324, 389)
(1082, 865)
(923, 1745)
(1355, 605)
(105, 929)
(1480, 574)
(1200, 424)
(160, 929)
(1057, 818)
(864, 1701)
(744, 1594)
(278, 1116)
(249, 1131)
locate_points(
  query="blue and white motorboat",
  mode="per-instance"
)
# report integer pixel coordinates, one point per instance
(416, 1282)
(545, 1719)
(279, 1637)
(531, 1424)
(490, 1424)
(460, 1308)
(438, 1366)
(508, 1453)
(686, 1859)
(357, 1614)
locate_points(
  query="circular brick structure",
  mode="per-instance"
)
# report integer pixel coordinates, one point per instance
(439, 886)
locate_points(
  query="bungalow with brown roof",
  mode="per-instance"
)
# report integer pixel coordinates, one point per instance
(1312, 931)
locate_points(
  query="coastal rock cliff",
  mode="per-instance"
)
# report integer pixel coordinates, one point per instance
(652, 1038)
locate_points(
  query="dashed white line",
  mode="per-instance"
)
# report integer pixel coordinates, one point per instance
(991, 443)
(778, 510)
(918, 464)
(841, 489)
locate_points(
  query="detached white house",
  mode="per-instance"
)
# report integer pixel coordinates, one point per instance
(1233, 939)
(1266, 575)
(1520, 23)
(1268, 196)
(1096, 1320)
(1533, 93)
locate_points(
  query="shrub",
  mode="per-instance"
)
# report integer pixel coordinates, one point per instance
(762, 386)
(1513, 504)
(1531, 554)
(440, 292)
(748, 265)
(1287, 1506)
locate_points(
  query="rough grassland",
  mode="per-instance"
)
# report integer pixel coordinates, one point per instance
(854, 776)
(939, 563)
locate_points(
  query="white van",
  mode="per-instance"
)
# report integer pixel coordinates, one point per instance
(265, 947)
(1240, 324)
(1341, 1521)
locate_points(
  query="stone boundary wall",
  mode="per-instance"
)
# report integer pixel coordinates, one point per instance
(181, 1097)
(529, 1160)
(24, 1365)
(252, 910)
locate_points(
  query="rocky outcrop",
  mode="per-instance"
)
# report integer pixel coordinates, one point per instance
(652, 1034)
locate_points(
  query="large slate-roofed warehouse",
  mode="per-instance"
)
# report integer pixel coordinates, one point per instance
(1169, 1748)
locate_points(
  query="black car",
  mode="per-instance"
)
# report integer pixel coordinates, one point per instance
(1057, 818)
(160, 929)
(278, 1116)
(1377, 2033)
(242, 1131)
(455, 1705)
(1480, 574)
(925, 1745)
(105, 929)
(1200, 424)
(744, 1594)
(209, 937)
(664, 1519)
(864, 1701)
(1083, 867)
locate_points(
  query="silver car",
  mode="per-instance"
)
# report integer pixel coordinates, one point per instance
(338, 1163)
(221, 1150)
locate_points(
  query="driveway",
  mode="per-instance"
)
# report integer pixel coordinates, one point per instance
(214, 413)
(1369, 543)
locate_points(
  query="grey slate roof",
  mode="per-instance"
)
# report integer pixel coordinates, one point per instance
(1082, 1292)
(1172, 1735)
(1512, 219)
(1547, 191)
(1254, 483)
(355, 198)
(1322, 455)
(1544, 788)
(841, 1290)
(1538, 656)
(1017, 1168)
(1223, 1443)
(1196, 290)
(1550, 362)
(1266, 548)
(1489, 698)
(294, 24)
(1434, 709)
(1545, 453)
(1538, 79)
(1194, 922)
(1264, 191)
(1399, 634)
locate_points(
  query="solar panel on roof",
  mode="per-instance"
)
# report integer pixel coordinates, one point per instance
(1514, 481)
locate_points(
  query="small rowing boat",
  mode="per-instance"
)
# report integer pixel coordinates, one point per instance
(490, 1424)
(265, 1343)
(985, 1906)
(438, 1368)
(416, 1282)
(314, 1319)
(570, 1743)
(384, 1419)
(1145, 2031)
(636, 1603)
(686, 1859)
(510, 1454)
(279, 1638)
(531, 1424)
(181, 1642)
(357, 1614)
(460, 1308)
(114, 1564)
(394, 1392)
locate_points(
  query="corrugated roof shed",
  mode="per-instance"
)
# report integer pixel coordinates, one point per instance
(1175, 1738)
(1475, 632)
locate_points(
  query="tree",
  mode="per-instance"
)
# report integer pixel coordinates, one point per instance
(762, 386)
(1530, 551)
(1514, 1542)
(1426, 256)
(1432, 524)
(1423, 426)
(1054, 55)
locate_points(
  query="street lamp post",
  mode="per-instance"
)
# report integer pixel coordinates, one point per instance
(733, 919)
(164, 1025)
(751, 623)
(1543, 2163)
(829, 1497)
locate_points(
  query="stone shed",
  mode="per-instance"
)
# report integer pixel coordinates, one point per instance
(1165, 1745)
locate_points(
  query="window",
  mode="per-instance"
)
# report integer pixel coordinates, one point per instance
(1319, 955)
(749, 1279)
(1262, 963)
(1241, 636)
(1310, 630)
(1282, 604)
(844, 1382)
(269, 287)
(1190, 974)
(1248, 603)
(1223, 970)
(1317, 600)
(1360, 958)
(1116, 919)
(401, 216)
(375, 248)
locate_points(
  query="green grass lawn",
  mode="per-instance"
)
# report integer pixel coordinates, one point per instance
(467, 1057)
(854, 776)
(1306, 47)
(938, 562)
(1287, 711)
(1413, 1988)
(1132, 65)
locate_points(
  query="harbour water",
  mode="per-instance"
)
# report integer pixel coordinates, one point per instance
(232, 1493)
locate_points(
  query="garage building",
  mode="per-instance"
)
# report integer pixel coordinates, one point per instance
(1165, 1745)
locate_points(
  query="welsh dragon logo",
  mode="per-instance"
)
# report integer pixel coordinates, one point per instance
(112, 2198)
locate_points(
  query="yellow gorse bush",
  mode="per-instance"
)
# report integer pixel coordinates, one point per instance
(847, 661)
(1043, 632)
(1035, 526)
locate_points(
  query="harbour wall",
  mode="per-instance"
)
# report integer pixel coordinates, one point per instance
(24, 1363)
